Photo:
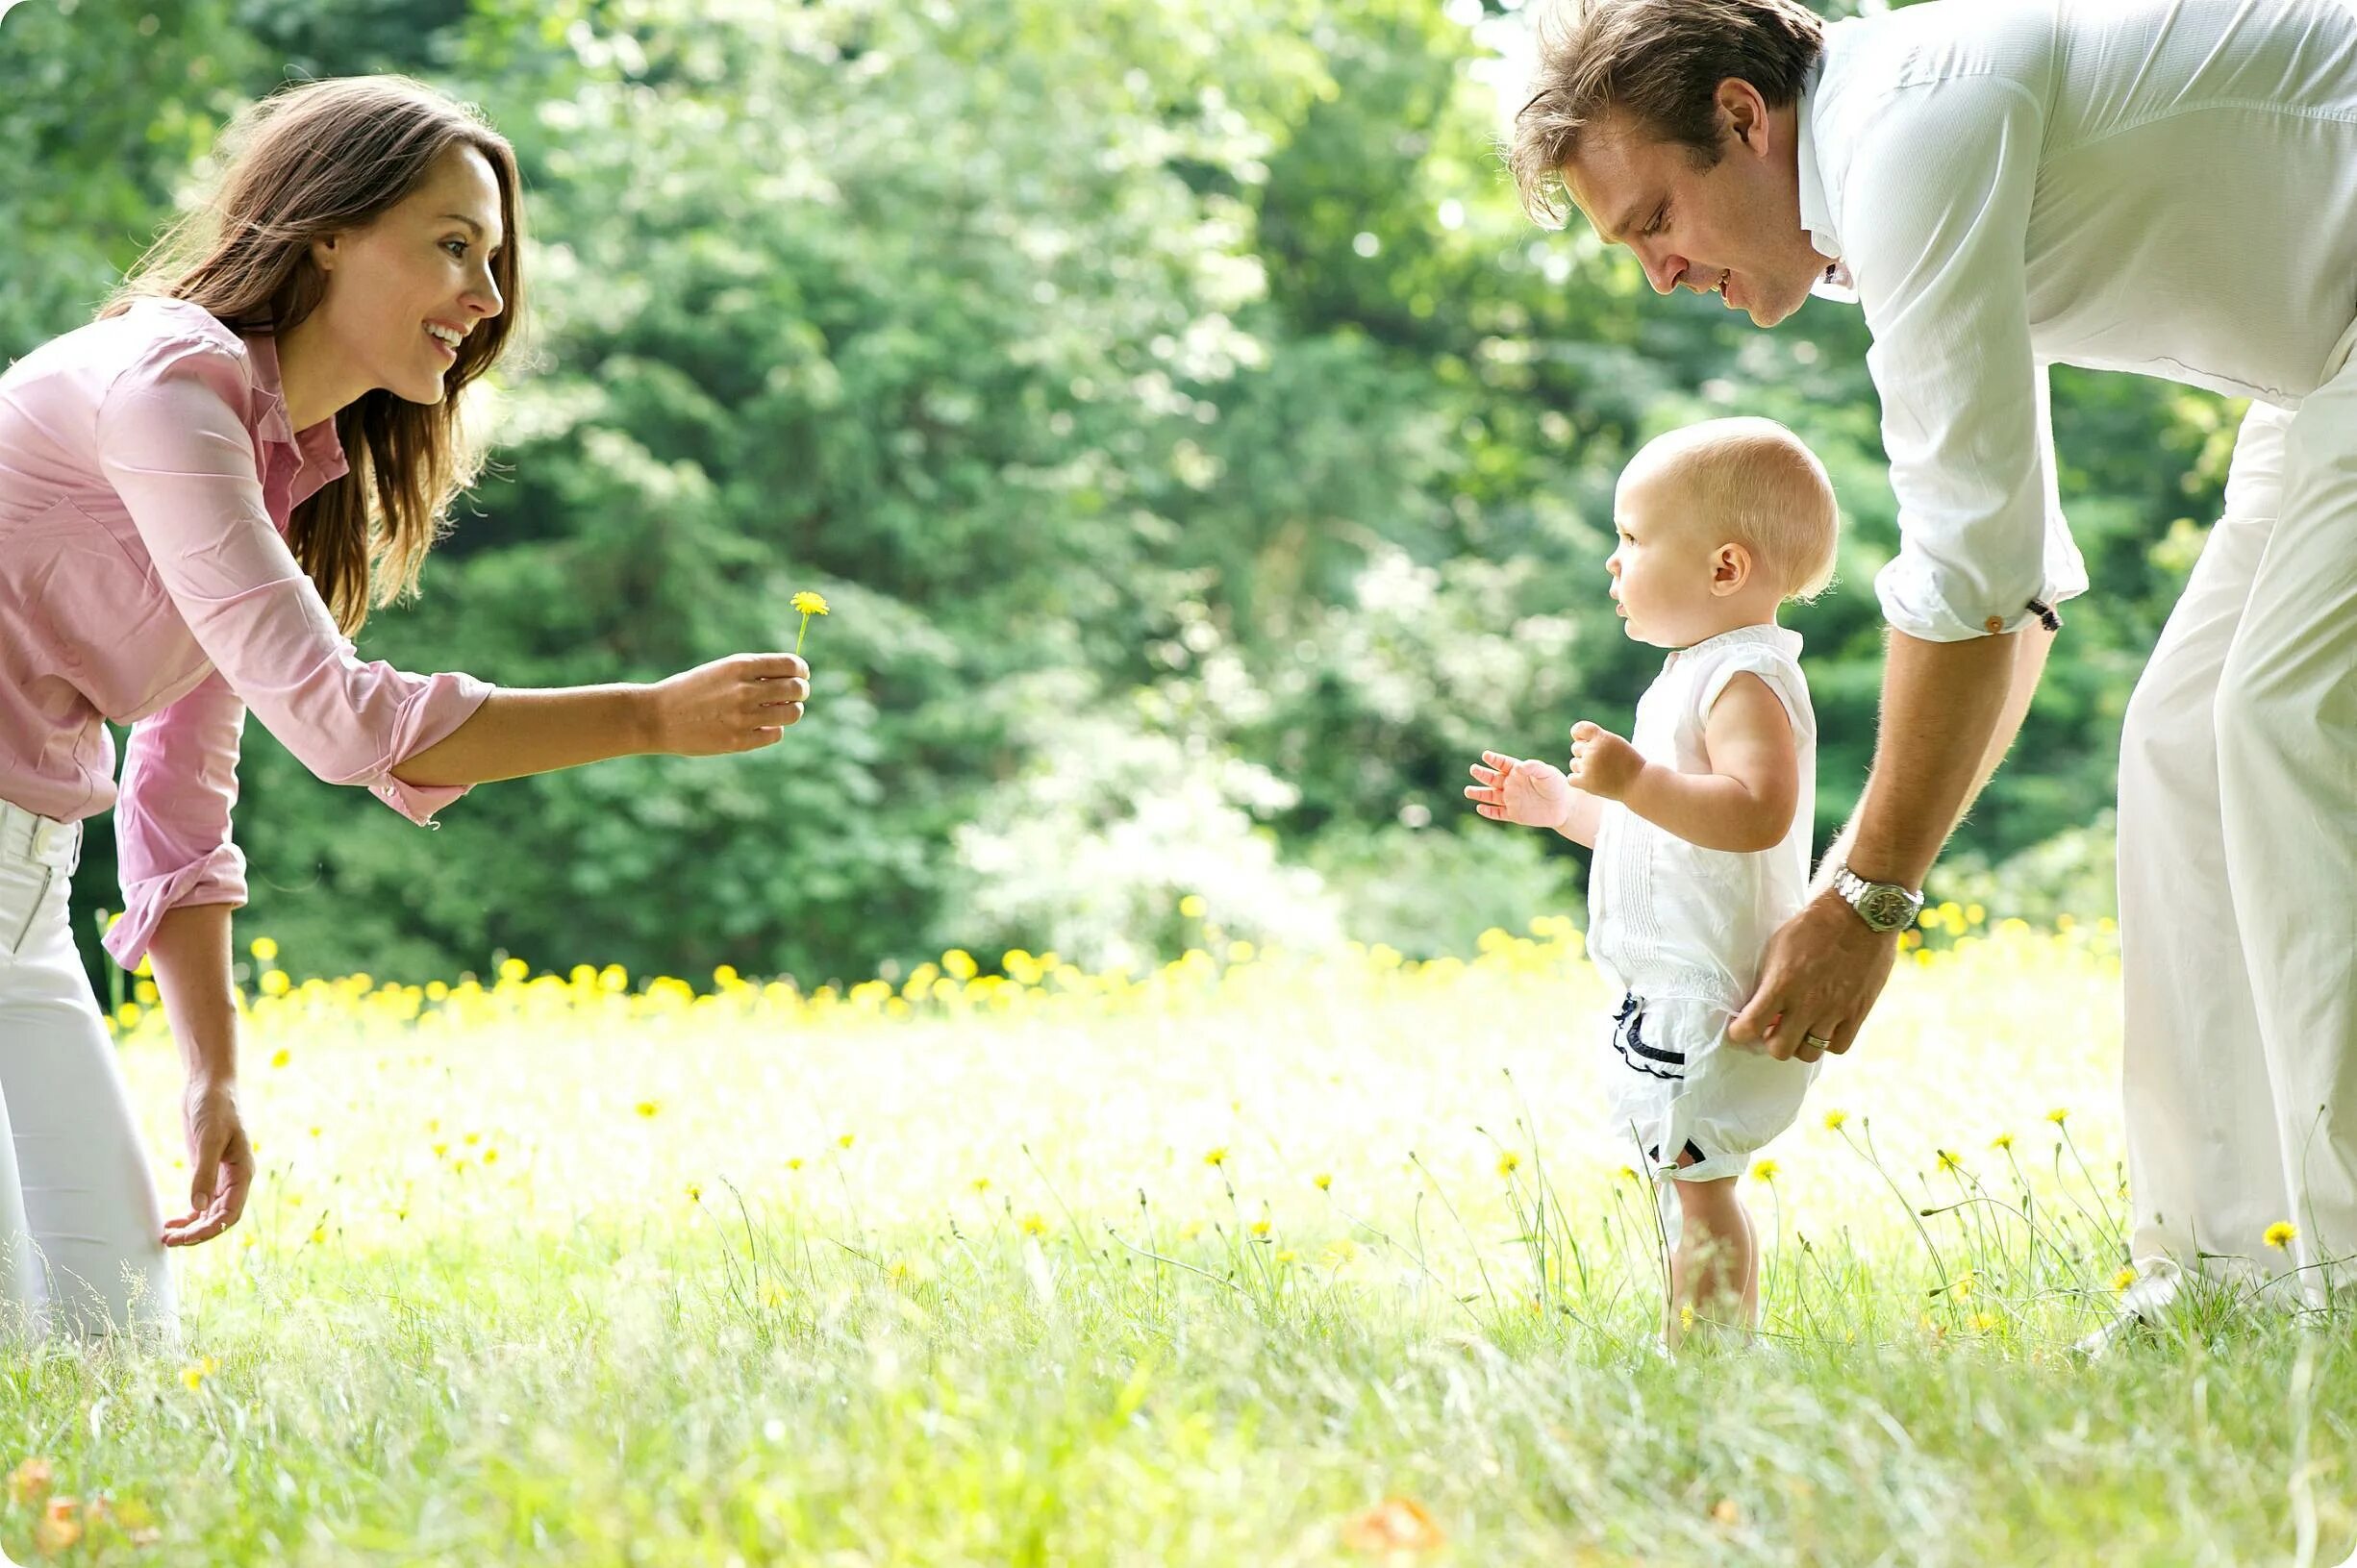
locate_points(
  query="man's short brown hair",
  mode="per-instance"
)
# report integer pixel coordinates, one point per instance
(1659, 61)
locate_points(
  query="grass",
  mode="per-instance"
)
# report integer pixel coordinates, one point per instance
(1246, 1261)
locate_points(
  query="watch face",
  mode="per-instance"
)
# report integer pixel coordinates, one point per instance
(1885, 907)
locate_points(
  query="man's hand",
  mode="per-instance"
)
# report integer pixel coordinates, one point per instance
(1819, 978)
(1519, 789)
(220, 1165)
(1602, 763)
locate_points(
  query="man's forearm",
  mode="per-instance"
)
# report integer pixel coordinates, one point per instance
(189, 954)
(1949, 713)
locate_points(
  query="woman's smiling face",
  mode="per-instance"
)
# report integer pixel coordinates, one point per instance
(404, 290)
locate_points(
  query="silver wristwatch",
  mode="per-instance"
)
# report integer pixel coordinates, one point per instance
(1884, 906)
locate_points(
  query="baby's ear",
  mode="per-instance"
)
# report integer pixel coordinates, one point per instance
(1731, 567)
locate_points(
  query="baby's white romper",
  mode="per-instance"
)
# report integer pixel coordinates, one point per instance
(1678, 929)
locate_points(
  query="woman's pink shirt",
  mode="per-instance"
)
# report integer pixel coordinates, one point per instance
(147, 470)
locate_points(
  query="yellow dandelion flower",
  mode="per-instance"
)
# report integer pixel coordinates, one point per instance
(696, 1192)
(1949, 1161)
(490, 1157)
(1765, 1170)
(1507, 1162)
(281, 1056)
(1215, 1157)
(2125, 1278)
(263, 947)
(1834, 1120)
(2281, 1235)
(795, 1162)
(2059, 1115)
(649, 1108)
(1686, 1317)
(1628, 1173)
(318, 1235)
(1034, 1225)
(196, 1372)
(844, 1142)
(809, 604)
(1286, 1255)
(1984, 1323)
(2003, 1140)
(1322, 1182)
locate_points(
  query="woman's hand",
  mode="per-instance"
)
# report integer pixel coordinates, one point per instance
(1519, 789)
(730, 705)
(220, 1164)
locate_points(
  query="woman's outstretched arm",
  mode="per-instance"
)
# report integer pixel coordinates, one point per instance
(730, 705)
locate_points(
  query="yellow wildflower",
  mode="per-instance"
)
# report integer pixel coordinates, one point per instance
(809, 604)
(1322, 1181)
(2281, 1235)
(1949, 1161)
(1507, 1161)
(1765, 1170)
(2059, 1115)
(263, 947)
(1034, 1225)
(845, 1141)
(648, 1108)
(196, 1372)
(1834, 1120)
(1217, 1157)
(2003, 1140)
(2125, 1278)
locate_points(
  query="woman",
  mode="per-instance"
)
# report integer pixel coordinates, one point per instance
(201, 494)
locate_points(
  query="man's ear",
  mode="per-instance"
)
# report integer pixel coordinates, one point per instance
(1742, 114)
(1731, 567)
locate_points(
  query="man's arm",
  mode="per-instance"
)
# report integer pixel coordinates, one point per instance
(1950, 712)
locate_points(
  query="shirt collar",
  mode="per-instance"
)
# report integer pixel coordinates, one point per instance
(1817, 218)
(1782, 639)
(318, 450)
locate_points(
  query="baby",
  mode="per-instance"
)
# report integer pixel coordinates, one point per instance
(1700, 821)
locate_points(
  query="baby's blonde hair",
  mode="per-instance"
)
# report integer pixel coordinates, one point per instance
(1760, 485)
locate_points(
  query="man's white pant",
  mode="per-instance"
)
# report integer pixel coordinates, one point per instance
(81, 1249)
(2238, 875)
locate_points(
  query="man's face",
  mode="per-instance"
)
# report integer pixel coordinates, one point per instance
(1733, 228)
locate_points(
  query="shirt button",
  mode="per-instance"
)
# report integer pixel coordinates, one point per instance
(1995, 624)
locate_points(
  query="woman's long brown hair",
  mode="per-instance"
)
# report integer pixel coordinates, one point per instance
(307, 162)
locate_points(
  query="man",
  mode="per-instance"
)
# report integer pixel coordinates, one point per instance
(2139, 185)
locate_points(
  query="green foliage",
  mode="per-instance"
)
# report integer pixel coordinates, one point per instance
(1203, 453)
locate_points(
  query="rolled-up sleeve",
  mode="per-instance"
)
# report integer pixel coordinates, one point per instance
(171, 819)
(1936, 214)
(172, 445)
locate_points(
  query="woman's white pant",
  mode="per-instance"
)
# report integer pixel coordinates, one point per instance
(2238, 875)
(80, 1224)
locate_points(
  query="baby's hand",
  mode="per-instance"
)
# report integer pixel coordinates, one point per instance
(1519, 789)
(1602, 763)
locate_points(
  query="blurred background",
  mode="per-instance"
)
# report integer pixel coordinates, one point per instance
(1204, 455)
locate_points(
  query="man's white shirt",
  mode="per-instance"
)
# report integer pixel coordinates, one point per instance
(2125, 185)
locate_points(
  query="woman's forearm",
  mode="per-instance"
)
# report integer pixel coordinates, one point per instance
(517, 732)
(190, 955)
(729, 705)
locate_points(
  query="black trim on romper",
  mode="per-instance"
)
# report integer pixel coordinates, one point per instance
(1627, 1024)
